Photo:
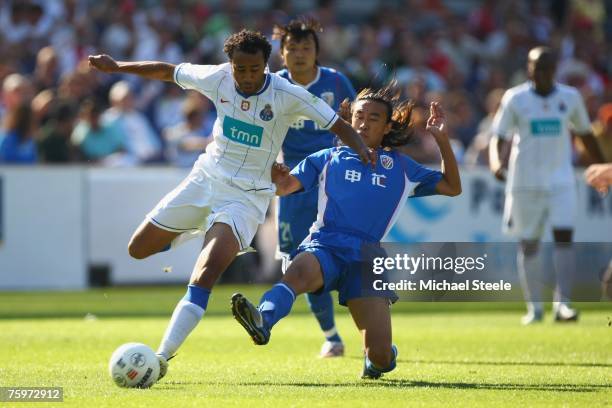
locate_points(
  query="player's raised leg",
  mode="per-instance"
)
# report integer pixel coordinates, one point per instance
(220, 248)
(149, 239)
(303, 275)
(373, 319)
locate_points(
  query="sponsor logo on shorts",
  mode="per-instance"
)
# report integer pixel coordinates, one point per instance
(242, 132)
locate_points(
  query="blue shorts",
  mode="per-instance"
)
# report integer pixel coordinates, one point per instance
(343, 268)
(296, 214)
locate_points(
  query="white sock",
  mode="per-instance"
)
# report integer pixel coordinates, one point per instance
(531, 277)
(565, 266)
(185, 318)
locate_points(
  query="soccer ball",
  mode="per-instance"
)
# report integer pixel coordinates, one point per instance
(134, 365)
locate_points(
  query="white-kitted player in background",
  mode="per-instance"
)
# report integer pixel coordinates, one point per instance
(536, 117)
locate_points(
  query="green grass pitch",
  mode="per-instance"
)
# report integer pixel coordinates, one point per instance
(457, 354)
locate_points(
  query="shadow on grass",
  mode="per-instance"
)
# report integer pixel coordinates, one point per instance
(402, 383)
(502, 363)
(498, 363)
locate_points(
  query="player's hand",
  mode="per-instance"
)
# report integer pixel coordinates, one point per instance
(599, 176)
(436, 124)
(280, 172)
(345, 110)
(103, 63)
(368, 156)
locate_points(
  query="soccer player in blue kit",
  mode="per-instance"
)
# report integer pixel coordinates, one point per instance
(299, 49)
(357, 206)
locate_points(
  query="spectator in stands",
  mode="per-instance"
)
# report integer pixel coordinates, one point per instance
(17, 144)
(602, 130)
(142, 142)
(96, 141)
(54, 139)
(187, 140)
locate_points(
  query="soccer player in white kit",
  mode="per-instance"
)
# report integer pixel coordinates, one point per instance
(537, 116)
(227, 193)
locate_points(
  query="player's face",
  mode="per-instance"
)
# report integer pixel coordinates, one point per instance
(299, 56)
(248, 71)
(370, 121)
(541, 71)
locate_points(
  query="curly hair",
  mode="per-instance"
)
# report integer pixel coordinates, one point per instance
(399, 113)
(249, 42)
(298, 29)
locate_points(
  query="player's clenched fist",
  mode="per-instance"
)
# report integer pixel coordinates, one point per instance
(104, 63)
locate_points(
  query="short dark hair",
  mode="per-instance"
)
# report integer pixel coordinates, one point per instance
(298, 29)
(249, 42)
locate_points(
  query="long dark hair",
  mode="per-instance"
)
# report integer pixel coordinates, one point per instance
(399, 113)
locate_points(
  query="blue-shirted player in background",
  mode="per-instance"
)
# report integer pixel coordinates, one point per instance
(358, 205)
(296, 213)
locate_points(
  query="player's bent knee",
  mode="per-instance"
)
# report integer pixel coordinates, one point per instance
(137, 251)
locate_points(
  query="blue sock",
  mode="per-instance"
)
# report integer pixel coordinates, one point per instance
(276, 304)
(322, 306)
(197, 295)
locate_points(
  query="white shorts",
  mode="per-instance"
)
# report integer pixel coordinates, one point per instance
(201, 200)
(526, 213)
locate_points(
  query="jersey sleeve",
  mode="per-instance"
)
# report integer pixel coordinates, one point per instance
(423, 180)
(309, 169)
(298, 102)
(197, 77)
(579, 118)
(505, 118)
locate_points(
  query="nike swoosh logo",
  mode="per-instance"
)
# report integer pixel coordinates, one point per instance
(351, 158)
(224, 101)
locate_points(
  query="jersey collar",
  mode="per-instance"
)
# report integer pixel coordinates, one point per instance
(262, 90)
(314, 81)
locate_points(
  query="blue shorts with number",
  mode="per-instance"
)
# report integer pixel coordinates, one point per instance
(296, 214)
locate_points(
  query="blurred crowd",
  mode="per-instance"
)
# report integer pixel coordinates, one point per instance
(55, 109)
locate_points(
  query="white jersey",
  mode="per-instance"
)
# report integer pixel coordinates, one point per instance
(541, 157)
(250, 129)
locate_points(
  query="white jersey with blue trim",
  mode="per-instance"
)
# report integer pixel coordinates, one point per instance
(250, 129)
(539, 126)
(359, 200)
(304, 136)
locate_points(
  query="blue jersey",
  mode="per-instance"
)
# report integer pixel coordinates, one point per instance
(357, 200)
(304, 136)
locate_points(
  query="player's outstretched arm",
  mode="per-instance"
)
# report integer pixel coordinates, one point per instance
(350, 138)
(147, 69)
(498, 161)
(450, 184)
(284, 181)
